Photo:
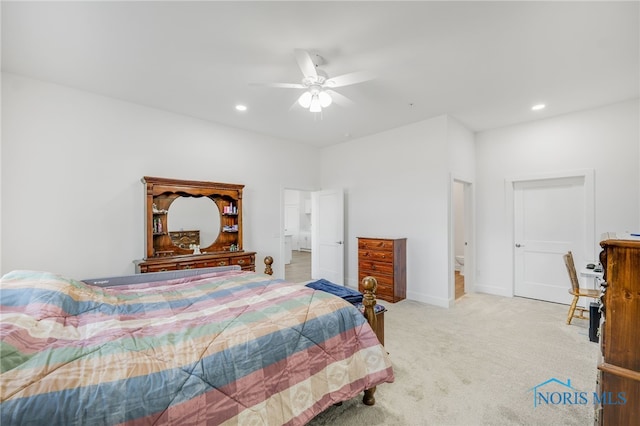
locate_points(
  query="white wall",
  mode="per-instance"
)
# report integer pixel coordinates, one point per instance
(462, 164)
(461, 151)
(397, 184)
(72, 200)
(605, 139)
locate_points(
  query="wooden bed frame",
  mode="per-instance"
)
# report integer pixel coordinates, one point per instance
(369, 285)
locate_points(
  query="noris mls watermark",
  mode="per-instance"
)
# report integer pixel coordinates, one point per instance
(557, 392)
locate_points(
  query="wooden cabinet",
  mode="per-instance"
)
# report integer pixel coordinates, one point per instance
(618, 385)
(385, 259)
(183, 217)
(305, 240)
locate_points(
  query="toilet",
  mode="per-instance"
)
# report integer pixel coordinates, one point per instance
(460, 264)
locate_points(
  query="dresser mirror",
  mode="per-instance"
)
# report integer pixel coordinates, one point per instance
(193, 220)
(191, 217)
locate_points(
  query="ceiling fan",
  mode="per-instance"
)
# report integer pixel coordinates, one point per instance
(318, 87)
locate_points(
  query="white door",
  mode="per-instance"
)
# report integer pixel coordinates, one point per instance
(327, 235)
(549, 220)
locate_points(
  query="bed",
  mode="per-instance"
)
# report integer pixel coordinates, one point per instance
(214, 347)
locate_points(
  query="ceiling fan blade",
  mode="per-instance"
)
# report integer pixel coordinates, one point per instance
(306, 64)
(348, 79)
(340, 99)
(294, 105)
(280, 85)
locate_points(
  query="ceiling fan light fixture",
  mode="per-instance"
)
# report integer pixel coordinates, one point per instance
(315, 106)
(305, 100)
(315, 81)
(325, 99)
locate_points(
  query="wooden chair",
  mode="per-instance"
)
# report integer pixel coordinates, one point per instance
(576, 291)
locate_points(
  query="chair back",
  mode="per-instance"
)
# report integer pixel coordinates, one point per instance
(571, 269)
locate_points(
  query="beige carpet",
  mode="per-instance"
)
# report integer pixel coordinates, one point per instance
(475, 364)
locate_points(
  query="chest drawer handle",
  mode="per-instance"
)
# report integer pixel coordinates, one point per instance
(163, 270)
(222, 263)
(241, 262)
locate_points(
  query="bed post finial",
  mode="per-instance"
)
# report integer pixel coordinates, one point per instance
(369, 285)
(267, 262)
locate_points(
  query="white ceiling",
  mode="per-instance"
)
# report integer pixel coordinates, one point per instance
(484, 63)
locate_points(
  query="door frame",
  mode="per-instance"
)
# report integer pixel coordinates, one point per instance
(281, 264)
(589, 231)
(470, 234)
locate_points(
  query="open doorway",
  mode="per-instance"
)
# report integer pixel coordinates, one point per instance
(459, 238)
(297, 235)
(462, 224)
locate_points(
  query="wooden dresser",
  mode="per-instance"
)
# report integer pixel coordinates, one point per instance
(385, 259)
(246, 260)
(618, 384)
(182, 215)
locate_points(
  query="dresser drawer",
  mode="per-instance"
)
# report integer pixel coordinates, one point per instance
(242, 261)
(376, 255)
(371, 267)
(160, 267)
(383, 280)
(211, 263)
(384, 290)
(187, 265)
(375, 244)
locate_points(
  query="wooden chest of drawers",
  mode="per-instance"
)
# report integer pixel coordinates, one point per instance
(618, 383)
(246, 260)
(385, 259)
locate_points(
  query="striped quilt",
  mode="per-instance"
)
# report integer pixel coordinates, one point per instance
(222, 348)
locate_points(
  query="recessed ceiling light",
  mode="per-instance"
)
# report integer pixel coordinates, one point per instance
(241, 107)
(538, 107)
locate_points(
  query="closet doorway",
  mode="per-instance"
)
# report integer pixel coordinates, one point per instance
(297, 235)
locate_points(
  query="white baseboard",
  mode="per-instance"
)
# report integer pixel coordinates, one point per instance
(490, 289)
(437, 301)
